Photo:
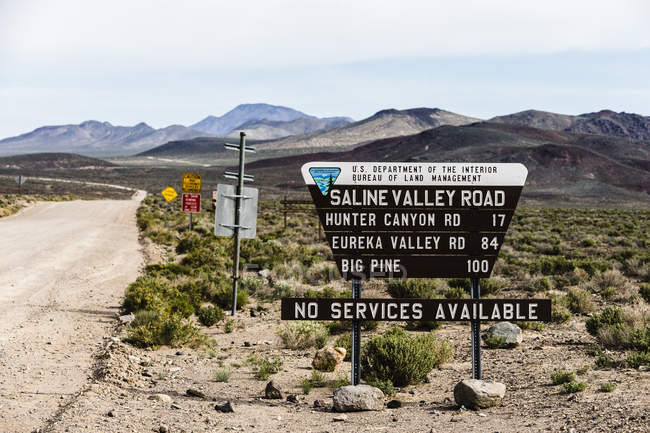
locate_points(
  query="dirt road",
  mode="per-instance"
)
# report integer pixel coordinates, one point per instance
(63, 270)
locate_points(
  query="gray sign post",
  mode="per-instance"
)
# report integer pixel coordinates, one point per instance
(237, 223)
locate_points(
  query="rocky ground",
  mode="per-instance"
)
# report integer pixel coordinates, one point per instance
(174, 390)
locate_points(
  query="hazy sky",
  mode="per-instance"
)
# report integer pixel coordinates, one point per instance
(165, 62)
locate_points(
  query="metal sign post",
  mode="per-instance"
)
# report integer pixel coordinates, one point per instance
(355, 356)
(240, 187)
(476, 332)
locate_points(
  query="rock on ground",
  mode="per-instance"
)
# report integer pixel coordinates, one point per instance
(353, 398)
(328, 358)
(161, 397)
(510, 332)
(273, 390)
(475, 393)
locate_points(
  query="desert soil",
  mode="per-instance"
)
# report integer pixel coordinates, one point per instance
(64, 368)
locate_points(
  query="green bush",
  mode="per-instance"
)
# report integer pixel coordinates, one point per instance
(579, 301)
(221, 375)
(155, 294)
(229, 326)
(573, 387)
(264, 367)
(608, 387)
(209, 316)
(644, 291)
(386, 386)
(153, 329)
(222, 296)
(302, 335)
(638, 359)
(610, 316)
(562, 376)
(423, 288)
(493, 341)
(560, 314)
(402, 359)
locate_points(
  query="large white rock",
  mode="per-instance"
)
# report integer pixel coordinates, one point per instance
(510, 332)
(475, 393)
(353, 398)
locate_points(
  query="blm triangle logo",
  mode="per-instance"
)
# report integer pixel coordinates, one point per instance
(324, 177)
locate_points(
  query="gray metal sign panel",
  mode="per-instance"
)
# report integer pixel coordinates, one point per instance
(224, 221)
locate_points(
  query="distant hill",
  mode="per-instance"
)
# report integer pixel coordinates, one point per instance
(383, 124)
(386, 123)
(94, 138)
(272, 129)
(243, 113)
(604, 122)
(562, 165)
(52, 161)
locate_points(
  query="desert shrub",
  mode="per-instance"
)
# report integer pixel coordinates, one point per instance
(345, 341)
(611, 284)
(455, 293)
(251, 284)
(573, 387)
(492, 286)
(587, 242)
(493, 341)
(559, 312)
(644, 291)
(562, 376)
(153, 329)
(327, 292)
(229, 326)
(614, 327)
(579, 301)
(302, 335)
(610, 316)
(169, 271)
(282, 289)
(638, 359)
(209, 316)
(607, 387)
(424, 288)
(386, 386)
(402, 359)
(156, 294)
(338, 382)
(263, 368)
(535, 326)
(221, 375)
(189, 241)
(540, 284)
(222, 296)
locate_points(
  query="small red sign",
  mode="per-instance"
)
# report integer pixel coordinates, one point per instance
(191, 203)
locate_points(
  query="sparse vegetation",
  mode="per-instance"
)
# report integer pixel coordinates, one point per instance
(607, 387)
(222, 375)
(263, 368)
(402, 359)
(302, 335)
(210, 316)
(562, 376)
(573, 387)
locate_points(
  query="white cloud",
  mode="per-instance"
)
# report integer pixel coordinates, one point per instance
(280, 33)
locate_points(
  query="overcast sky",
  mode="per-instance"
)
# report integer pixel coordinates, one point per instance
(166, 62)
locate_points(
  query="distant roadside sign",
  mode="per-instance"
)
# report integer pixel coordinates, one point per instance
(192, 183)
(224, 218)
(414, 220)
(169, 193)
(20, 180)
(191, 202)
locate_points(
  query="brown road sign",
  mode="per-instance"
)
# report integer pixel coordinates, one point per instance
(169, 193)
(191, 203)
(192, 183)
(415, 220)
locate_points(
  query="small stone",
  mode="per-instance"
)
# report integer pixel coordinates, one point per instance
(412, 392)
(225, 408)
(191, 392)
(163, 429)
(272, 390)
(482, 414)
(395, 419)
(292, 398)
(340, 418)
(127, 318)
(328, 358)
(179, 353)
(320, 404)
(353, 398)
(161, 397)
(511, 333)
(253, 313)
(475, 394)
(175, 406)
(110, 414)
(394, 404)
(247, 344)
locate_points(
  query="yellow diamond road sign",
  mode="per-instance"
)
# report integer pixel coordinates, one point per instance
(192, 183)
(169, 193)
